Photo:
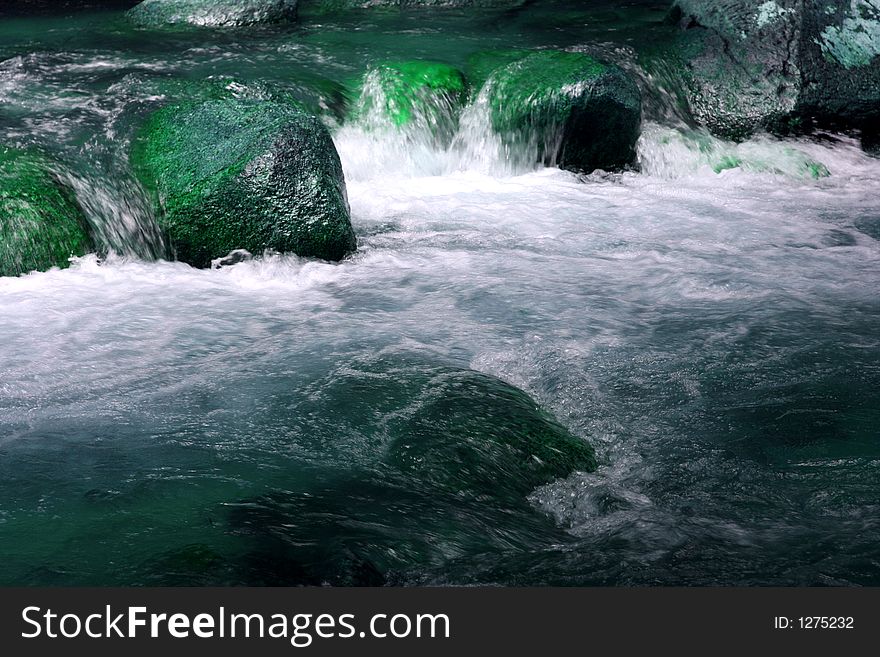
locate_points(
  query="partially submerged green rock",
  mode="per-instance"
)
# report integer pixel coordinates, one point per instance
(41, 225)
(244, 173)
(434, 427)
(424, 463)
(579, 113)
(212, 13)
(415, 94)
(467, 432)
(782, 66)
(685, 152)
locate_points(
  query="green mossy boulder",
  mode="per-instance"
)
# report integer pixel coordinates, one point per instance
(41, 225)
(580, 113)
(212, 13)
(778, 65)
(244, 173)
(412, 95)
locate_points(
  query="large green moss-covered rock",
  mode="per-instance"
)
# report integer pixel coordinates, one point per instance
(580, 113)
(782, 65)
(212, 13)
(244, 173)
(41, 225)
(417, 96)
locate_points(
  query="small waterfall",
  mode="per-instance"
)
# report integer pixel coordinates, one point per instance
(383, 137)
(672, 153)
(477, 146)
(437, 139)
(119, 214)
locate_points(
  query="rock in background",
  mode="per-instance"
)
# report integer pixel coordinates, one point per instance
(26, 7)
(213, 13)
(784, 66)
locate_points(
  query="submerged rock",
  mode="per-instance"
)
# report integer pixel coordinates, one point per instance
(41, 225)
(419, 464)
(232, 258)
(244, 173)
(435, 427)
(471, 434)
(579, 113)
(676, 152)
(212, 13)
(412, 95)
(781, 65)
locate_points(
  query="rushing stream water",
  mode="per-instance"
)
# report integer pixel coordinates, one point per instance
(714, 335)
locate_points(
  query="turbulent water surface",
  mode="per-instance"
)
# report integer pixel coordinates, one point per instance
(711, 330)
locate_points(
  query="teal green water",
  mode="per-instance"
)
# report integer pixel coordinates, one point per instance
(708, 324)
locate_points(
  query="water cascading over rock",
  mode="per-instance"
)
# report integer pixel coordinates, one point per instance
(416, 96)
(41, 224)
(244, 173)
(213, 13)
(783, 66)
(569, 108)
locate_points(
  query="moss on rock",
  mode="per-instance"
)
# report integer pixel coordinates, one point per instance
(41, 225)
(582, 114)
(243, 173)
(404, 93)
(481, 65)
(212, 13)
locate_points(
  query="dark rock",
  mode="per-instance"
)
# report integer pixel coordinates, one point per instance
(232, 258)
(783, 66)
(36, 7)
(871, 141)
